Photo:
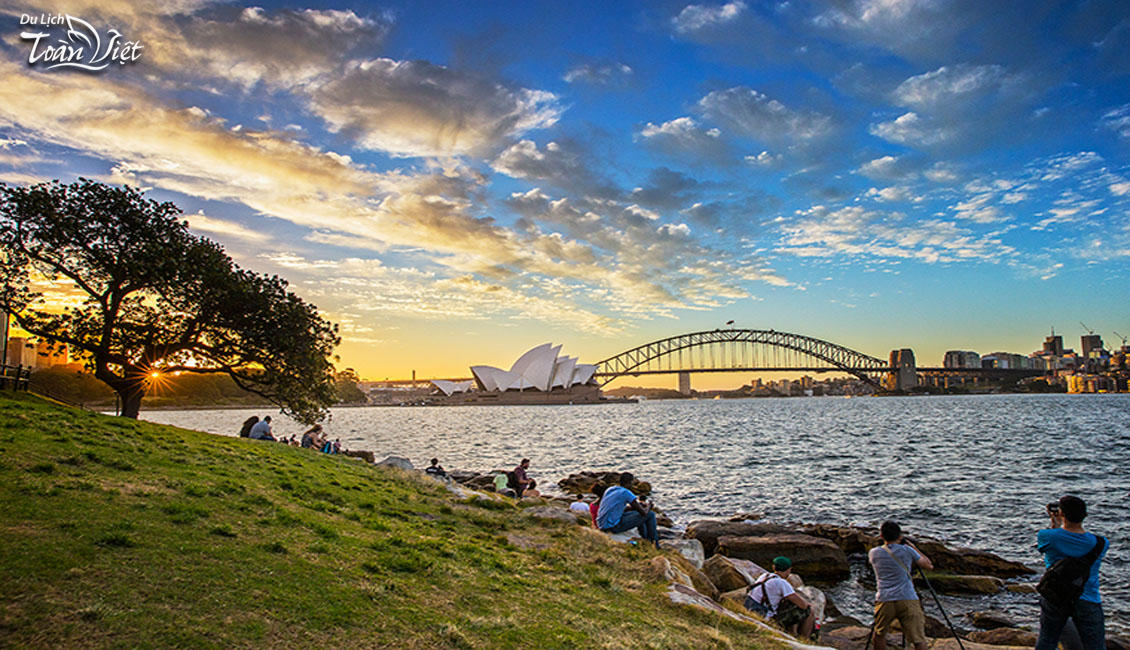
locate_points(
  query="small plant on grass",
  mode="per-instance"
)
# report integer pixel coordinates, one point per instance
(42, 468)
(273, 547)
(223, 530)
(115, 540)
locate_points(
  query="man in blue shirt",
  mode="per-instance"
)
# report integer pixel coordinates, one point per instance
(1066, 538)
(612, 517)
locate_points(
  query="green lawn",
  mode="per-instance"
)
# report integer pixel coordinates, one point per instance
(127, 534)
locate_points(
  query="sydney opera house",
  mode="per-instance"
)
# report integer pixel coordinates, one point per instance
(540, 376)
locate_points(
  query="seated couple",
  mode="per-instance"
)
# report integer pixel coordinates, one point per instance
(621, 510)
(773, 597)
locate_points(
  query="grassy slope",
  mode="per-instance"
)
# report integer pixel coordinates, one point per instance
(129, 534)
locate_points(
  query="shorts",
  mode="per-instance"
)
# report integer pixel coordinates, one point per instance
(788, 614)
(909, 615)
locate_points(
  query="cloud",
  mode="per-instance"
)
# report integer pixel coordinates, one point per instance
(698, 17)
(562, 164)
(212, 225)
(891, 168)
(948, 87)
(415, 108)
(1120, 189)
(857, 232)
(598, 74)
(753, 114)
(1118, 120)
(683, 137)
(911, 130)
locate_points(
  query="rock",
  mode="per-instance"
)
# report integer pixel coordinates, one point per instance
(795, 580)
(951, 644)
(840, 621)
(552, 513)
(990, 619)
(745, 516)
(396, 461)
(969, 561)
(830, 609)
(666, 533)
(936, 629)
(682, 595)
(367, 456)
(736, 597)
(954, 560)
(853, 637)
(1117, 642)
(945, 583)
(708, 531)
(727, 574)
(816, 598)
(699, 580)
(669, 572)
(1021, 588)
(691, 549)
(1005, 636)
(814, 557)
(584, 482)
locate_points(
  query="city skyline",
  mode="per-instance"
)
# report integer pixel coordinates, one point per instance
(456, 183)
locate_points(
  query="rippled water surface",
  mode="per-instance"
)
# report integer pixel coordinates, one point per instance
(972, 470)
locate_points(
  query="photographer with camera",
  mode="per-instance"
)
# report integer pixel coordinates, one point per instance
(895, 598)
(1069, 588)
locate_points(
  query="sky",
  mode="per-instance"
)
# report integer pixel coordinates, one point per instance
(456, 182)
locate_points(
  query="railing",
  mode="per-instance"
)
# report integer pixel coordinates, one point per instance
(15, 377)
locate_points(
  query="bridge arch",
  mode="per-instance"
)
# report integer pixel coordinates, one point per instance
(733, 350)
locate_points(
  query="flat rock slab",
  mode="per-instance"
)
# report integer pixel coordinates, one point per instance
(708, 531)
(814, 558)
(945, 583)
(1005, 636)
(691, 549)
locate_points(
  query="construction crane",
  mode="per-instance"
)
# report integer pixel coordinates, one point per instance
(1121, 337)
(1089, 330)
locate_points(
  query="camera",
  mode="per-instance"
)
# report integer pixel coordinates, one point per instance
(1053, 508)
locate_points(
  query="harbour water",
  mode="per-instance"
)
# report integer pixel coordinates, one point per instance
(971, 470)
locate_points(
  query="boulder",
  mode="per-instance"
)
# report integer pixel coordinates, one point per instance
(699, 580)
(853, 637)
(708, 531)
(950, 643)
(849, 538)
(462, 475)
(946, 583)
(1005, 636)
(682, 595)
(990, 619)
(691, 549)
(816, 598)
(735, 597)
(727, 574)
(584, 482)
(396, 461)
(745, 516)
(1021, 588)
(552, 513)
(669, 572)
(815, 557)
(840, 621)
(936, 629)
(367, 456)
(970, 561)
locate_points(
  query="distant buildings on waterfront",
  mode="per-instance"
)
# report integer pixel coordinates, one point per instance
(27, 352)
(1092, 370)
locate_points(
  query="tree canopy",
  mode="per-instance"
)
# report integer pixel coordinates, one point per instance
(143, 296)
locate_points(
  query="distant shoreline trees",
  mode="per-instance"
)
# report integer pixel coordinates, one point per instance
(146, 297)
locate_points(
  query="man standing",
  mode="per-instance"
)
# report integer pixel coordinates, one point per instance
(262, 429)
(1067, 539)
(611, 516)
(895, 598)
(773, 596)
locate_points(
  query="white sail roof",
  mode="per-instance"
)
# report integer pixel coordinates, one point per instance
(451, 387)
(539, 368)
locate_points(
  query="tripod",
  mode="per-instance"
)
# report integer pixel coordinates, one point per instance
(941, 609)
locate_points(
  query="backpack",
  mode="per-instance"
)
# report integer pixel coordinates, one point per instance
(1062, 584)
(759, 606)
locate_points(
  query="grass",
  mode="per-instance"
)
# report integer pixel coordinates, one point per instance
(123, 534)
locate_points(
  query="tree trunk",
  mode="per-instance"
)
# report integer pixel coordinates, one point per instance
(131, 400)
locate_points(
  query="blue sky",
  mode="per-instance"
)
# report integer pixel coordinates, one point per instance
(456, 182)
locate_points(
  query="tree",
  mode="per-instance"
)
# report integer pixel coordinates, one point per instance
(147, 297)
(348, 392)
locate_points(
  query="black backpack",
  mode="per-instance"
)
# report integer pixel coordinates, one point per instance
(1063, 582)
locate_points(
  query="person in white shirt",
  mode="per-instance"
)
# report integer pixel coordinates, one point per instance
(774, 598)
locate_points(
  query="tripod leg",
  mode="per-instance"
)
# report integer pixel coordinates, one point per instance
(941, 609)
(870, 634)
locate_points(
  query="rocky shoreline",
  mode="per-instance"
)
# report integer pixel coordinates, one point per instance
(716, 560)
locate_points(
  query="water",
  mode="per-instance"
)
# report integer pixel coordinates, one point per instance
(972, 470)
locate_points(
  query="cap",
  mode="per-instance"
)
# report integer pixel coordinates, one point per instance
(780, 563)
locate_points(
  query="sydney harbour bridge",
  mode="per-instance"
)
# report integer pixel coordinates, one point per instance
(749, 350)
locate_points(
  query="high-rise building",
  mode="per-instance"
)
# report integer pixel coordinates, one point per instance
(21, 352)
(961, 359)
(46, 358)
(1092, 345)
(1053, 344)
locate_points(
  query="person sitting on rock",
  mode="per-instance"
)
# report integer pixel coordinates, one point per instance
(262, 430)
(598, 490)
(579, 506)
(773, 597)
(621, 510)
(310, 438)
(500, 484)
(895, 598)
(518, 480)
(435, 469)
